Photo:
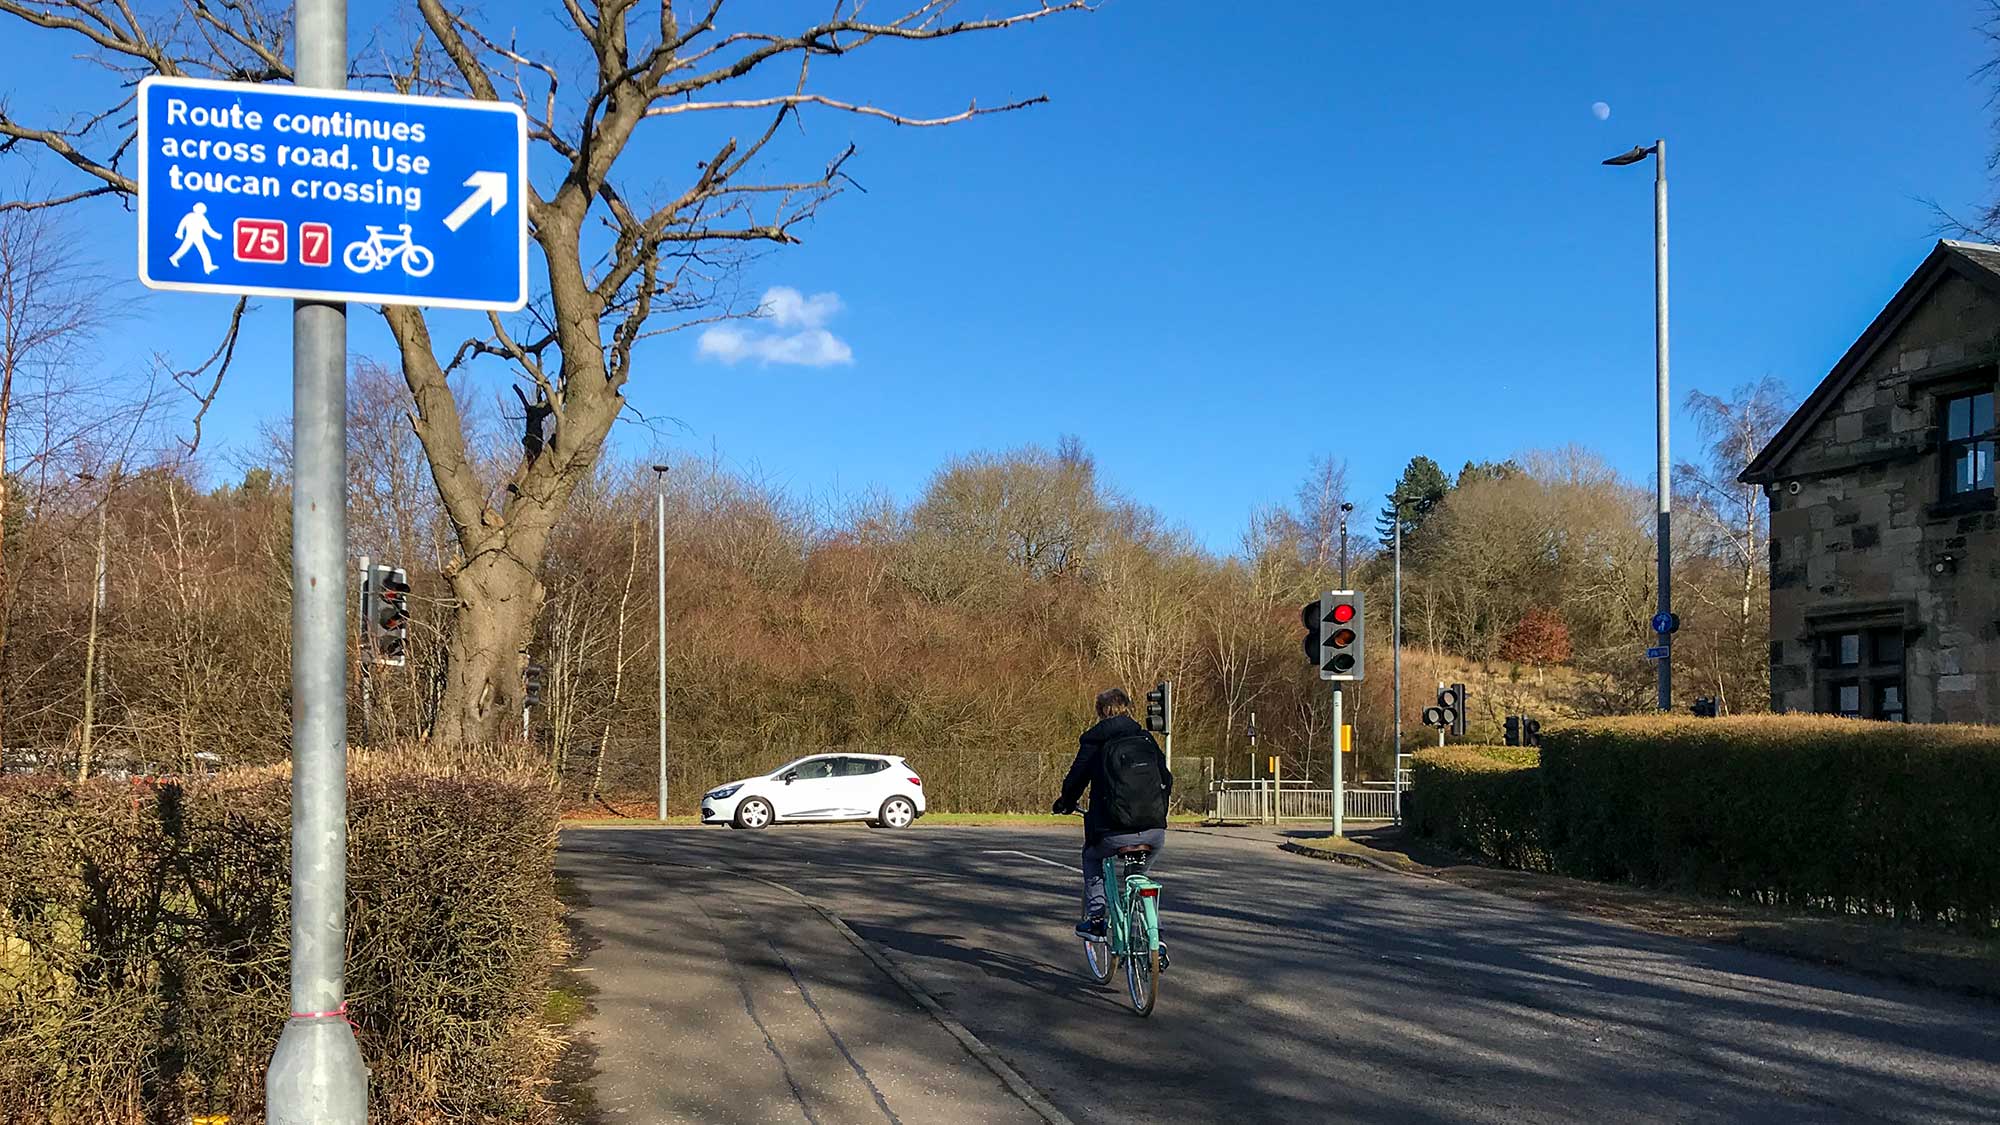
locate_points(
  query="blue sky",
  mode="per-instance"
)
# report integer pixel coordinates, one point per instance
(1231, 243)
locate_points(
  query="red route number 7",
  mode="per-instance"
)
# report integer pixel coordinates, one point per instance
(259, 240)
(315, 244)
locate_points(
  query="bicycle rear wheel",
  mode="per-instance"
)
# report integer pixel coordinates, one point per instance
(1097, 958)
(1142, 964)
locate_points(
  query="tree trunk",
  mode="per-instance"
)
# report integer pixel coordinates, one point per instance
(498, 599)
(6, 601)
(617, 665)
(90, 645)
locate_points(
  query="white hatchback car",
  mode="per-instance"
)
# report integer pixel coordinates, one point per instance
(878, 788)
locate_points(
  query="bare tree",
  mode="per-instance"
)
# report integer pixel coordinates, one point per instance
(623, 260)
(1321, 497)
(50, 306)
(1728, 515)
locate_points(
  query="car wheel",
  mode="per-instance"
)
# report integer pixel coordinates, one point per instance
(897, 812)
(753, 813)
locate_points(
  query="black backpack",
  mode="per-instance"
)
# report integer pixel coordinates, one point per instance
(1130, 786)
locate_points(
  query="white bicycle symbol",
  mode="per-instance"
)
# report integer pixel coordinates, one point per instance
(378, 251)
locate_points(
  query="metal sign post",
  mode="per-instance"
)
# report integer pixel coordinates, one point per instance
(326, 196)
(316, 1075)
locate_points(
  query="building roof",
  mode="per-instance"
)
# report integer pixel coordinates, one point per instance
(1978, 262)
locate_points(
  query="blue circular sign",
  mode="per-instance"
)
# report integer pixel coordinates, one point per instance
(1666, 623)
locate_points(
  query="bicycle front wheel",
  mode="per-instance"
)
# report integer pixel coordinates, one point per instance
(1098, 959)
(418, 260)
(1142, 963)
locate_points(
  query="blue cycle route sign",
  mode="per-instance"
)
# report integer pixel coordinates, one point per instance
(332, 195)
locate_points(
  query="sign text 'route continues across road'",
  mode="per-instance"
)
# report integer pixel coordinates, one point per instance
(332, 195)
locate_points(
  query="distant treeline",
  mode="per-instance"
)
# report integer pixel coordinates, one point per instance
(968, 628)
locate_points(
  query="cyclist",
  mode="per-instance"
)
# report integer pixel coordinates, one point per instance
(1129, 785)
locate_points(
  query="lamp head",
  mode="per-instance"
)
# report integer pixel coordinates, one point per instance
(1638, 153)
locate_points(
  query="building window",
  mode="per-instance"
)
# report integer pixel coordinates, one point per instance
(1889, 701)
(1862, 674)
(1968, 443)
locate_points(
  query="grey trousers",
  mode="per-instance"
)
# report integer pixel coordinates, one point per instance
(1093, 862)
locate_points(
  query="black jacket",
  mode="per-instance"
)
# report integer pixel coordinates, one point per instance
(1083, 774)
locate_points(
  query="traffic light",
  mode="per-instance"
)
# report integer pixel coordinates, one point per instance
(1531, 731)
(1334, 635)
(385, 610)
(1160, 708)
(1451, 709)
(531, 686)
(1513, 729)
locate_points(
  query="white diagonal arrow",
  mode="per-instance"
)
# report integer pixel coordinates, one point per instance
(489, 188)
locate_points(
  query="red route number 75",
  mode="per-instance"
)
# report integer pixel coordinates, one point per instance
(259, 240)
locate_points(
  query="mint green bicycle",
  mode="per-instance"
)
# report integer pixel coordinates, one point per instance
(1131, 928)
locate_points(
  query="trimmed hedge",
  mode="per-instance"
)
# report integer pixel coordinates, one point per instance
(1809, 811)
(1481, 799)
(144, 945)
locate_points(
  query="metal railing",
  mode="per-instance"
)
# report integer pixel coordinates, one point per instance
(1264, 801)
(1371, 804)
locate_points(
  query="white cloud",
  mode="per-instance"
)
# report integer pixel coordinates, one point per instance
(797, 334)
(789, 308)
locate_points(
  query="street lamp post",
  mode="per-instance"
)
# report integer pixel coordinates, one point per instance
(1396, 641)
(1344, 509)
(660, 598)
(1663, 484)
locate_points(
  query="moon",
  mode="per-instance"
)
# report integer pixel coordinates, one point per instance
(1600, 111)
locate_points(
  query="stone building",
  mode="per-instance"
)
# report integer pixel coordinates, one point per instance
(1885, 550)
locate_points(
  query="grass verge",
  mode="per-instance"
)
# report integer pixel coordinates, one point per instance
(568, 1004)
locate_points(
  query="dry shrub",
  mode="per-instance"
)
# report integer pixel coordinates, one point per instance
(143, 952)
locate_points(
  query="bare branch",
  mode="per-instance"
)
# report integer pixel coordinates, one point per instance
(794, 100)
(218, 361)
(58, 143)
(56, 201)
(824, 39)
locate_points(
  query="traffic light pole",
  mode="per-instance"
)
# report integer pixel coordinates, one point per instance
(316, 1076)
(1339, 790)
(367, 657)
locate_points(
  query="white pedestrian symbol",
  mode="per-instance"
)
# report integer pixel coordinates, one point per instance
(194, 233)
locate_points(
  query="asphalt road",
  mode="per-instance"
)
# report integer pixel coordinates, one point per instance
(1304, 991)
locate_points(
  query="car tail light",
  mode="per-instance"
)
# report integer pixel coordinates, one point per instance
(916, 781)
